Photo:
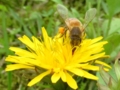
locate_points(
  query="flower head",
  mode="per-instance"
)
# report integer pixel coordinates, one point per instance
(56, 58)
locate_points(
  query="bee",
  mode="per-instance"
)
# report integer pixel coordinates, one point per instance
(74, 26)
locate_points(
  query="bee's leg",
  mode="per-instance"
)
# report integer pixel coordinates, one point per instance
(66, 28)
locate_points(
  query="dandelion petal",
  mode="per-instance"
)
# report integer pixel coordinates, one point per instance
(38, 78)
(77, 71)
(70, 81)
(102, 63)
(17, 66)
(91, 67)
(55, 77)
(63, 76)
(89, 76)
(27, 41)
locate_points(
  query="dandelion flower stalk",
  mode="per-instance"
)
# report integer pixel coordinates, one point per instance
(56, 59)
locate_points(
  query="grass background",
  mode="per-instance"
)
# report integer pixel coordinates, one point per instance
(26, 17)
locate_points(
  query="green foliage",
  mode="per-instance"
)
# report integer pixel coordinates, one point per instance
(28, 16)
(109, 80)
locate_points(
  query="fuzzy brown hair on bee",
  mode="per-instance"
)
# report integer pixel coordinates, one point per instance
(76, 30)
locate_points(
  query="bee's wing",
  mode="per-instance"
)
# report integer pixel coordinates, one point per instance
(90, 14)
(63, 11)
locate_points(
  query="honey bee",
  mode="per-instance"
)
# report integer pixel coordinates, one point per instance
(75, 27)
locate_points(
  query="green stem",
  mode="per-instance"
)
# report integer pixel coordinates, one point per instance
(6, 46)
(108, 27)
(98, 13)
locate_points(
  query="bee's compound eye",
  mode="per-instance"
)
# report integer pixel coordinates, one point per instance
(61, 30)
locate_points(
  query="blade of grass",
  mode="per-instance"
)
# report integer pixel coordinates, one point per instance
(6, 47)
(20, 21)
(98, 13)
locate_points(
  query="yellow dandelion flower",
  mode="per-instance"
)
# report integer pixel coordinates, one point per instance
(57, 59)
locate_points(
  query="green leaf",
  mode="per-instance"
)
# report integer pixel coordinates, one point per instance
(58, 1)
(113, 45)
(102, 87)
(113, 6)
(114, 27)
(3, 8)
(117, 69)
(107, 78)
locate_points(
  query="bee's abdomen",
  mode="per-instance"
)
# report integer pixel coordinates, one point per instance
(75, 36)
